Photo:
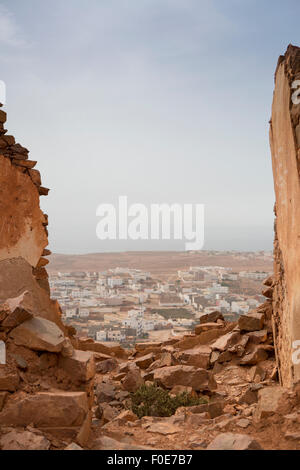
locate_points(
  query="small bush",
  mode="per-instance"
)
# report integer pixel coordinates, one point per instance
(151, 400)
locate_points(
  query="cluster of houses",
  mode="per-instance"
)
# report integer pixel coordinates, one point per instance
(125, 305)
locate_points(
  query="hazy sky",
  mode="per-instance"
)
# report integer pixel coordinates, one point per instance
(160, 100)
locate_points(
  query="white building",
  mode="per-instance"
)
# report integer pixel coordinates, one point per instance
(135, 320)
(115, 335)
(114, 282)
(101, 335)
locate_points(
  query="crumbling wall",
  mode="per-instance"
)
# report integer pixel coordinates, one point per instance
(285, 149)
(44, 380)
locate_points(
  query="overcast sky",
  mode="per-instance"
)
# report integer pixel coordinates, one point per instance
(160, 100)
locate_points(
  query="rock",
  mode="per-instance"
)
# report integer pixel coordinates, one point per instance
(269, 281)
(226, 341)
(248, 397)
(3, 396)
(67, 349)
(257, 337)
(211, 317)
(190, 376)
(133, 380)
(229, 441)
(163, 428)
(106, 366)
(213, 408)
(268, 292)
(9, 379)
(269, 400)
(3, 116)
(20, 362)
(225, 356)
(197, 419)
(35, 176)
(166, 360)
(24, 163)
(198, 357)
(251, 322)
(39, 334)
(243, 423)
(16, 310)
(254, 357)
(73, 446)
(145, 361)
(126, 417)
(24, 440)
(206, 327)
(105, 392)
(141, 347)
(84, 433)
(81, 366)
(191, 341)
(292, 436)
(16, 275)
(107, 443)
(111, 349)
(47, 410)
(257, 374)
(106, 413)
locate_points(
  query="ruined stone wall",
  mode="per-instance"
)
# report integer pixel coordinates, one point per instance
(23, 226)
(44, 380)
(285, 149)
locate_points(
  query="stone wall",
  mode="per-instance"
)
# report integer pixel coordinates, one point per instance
(44, 380)
(285, 149)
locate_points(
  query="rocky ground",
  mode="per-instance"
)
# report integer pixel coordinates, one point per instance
(58, 391)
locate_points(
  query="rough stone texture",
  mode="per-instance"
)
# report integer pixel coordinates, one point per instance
(26, 236)
(9, 380)
(198, 379)
(16, 278)
(211, 317)
(269, 400)
(229, 441)
(251, 322)
(47, 410)
(199, 357)
(285, 148)
(133, 380)
(26, 440)
(81, 366)
(39, 334)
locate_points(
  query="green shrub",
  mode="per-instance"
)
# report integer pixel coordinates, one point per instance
(151, 400)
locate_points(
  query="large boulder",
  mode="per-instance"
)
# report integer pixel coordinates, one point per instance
(226, 341)
(133, 380)
(81, 366)
(251, 322)
(269, 401)
(39, 334)
(46, 410)
(211, 317)
(198, 357)
(198, 379)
